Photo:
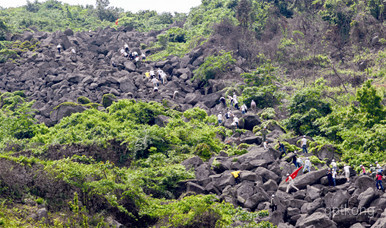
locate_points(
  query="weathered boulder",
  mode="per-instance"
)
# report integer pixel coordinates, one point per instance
(259, 153)
(310, 178)
(249, 176)
(252, 140)
(193, 187)
(267, 174)
(249, 165)
(366, 197)
(65, 109)
(311, 207)
(381, 222)
(336, 199)
(259, 196)
(245, 190)
(250, 120)
(193, 162)
(317, 219)
(312, 192)
(344, 217)
(362, 183)
(202, 172)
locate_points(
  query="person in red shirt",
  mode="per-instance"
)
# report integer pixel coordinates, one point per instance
(378, 179)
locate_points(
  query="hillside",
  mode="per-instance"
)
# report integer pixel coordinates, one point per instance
(87, 141)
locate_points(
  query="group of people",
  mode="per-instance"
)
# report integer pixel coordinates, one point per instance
(156, 77)
(234, 103)
(132, 55)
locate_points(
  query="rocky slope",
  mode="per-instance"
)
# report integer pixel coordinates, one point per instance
(51, 79)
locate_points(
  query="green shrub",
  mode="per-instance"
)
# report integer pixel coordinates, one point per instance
(203, 151)
(213, 65)
(108, 99)
(267, 113)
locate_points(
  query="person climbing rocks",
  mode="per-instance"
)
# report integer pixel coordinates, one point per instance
(291, 183)
(236, 104)
(113, 64)
(163, 78)
(59, 47)
(363, 170)
(304, 144)
(228, 114)
(234, 97)
(155, 89)
(230, 100)
(253, 105)
(299, 162)
(372, 171)
(295, 159)
(155, 82)
(152, 74)
(143, 56)
(126, 46)
(222, 101)
(281, 147)
(147, 74)
(307, 165)
(219, 118)
(273, 205)
(243, 109)
(236, 175)
(265, 144)
(175, 95)
(334, 177)
(334, 165)
(159, 72)
(379, 167)
(378, 183)
(264, 133)
(346, 169)
(329, 177)
(235, 121)
(122, 51)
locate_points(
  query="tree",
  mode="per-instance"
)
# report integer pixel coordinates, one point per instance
(244, 13)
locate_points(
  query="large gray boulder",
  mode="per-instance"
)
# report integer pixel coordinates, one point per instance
(310, 178)
(267, 174)
(312, 192)
(311, 207)
(317, 219)
(65, 109)
(366, 197)
(193, 162)
(259, 153)
(381, 222)
(336, 199)
(344, 217)
(250, 120)
(258, 197)
(362, 183)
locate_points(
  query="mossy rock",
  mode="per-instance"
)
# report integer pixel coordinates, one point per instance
(67, 104)
(108, 99)
(83, 100)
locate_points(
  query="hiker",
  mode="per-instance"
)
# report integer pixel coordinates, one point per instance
(73, 51)
(299, 162)
(346, 169)
(159, 72)
(230, 100)
(152, 74)
(59, 47)
(147, 74)
(307, 165)
(222, 101)
(329, 177)
(155, 89)
(291, 183)
(334, 177)
(126, 47)
(379, 168)
(155, 82)
(234, 97)
(378, 183)
(372, 171)
(236, 104)
(228, 114)
(243, 109)
(175, 95)
(304, 144)
(163, 78)
(334, 166)
(219, 118)
(236, 175)
(265, 145)
(143, 56)
(235, 121)
(281, 147)
(264, 133)
(295, 159)
(273, 205)
(113, 64)
(363, 170)
(122, 51)
(253, 105)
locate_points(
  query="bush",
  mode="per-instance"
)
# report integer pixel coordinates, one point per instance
(203, 151)
(213, 66)
(108, 99)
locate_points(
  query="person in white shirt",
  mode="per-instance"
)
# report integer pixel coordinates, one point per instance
(219, 118)
(59, 47)
(334, 165)
(235, 121)
(175, 95)
(265, 145)
(334, 177)
(307, 165)
(346, 169)
(304, 144)
(155, 81)
(243, 109)
(291, 183)
(163, 78)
